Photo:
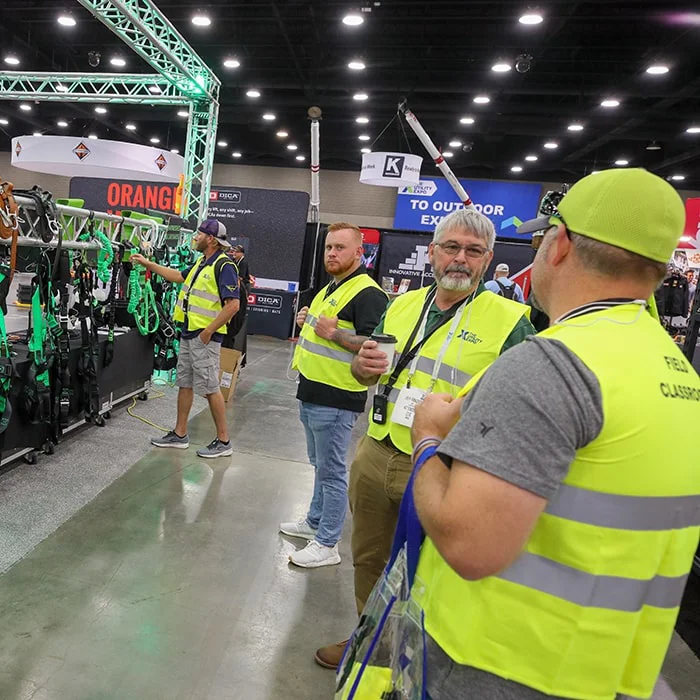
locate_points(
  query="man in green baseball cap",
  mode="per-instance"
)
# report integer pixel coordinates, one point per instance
(558, 533)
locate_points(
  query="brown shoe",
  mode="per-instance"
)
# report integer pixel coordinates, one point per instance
(331, 655)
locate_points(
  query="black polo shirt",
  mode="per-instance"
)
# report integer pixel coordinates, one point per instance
(364, 311)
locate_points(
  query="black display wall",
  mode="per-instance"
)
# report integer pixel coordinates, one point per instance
(271, 223)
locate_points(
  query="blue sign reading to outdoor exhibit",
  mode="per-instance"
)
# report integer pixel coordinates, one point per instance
(420, 207)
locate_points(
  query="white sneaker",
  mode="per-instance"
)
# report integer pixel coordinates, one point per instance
(315, 555)
(298, 529)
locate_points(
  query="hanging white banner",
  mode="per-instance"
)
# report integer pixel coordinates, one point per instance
(71, 156)
(390, 169)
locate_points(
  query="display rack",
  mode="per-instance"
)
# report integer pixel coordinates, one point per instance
(73, 222)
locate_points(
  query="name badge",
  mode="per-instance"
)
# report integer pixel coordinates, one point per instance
(405, 409)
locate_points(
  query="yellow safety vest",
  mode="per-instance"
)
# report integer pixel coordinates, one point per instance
(588, 608)
(321, 360)
(203, 300)
(477, 343)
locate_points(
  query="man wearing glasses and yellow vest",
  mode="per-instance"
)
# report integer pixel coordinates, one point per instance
(341, 317)
(561, 523)
(446, 333)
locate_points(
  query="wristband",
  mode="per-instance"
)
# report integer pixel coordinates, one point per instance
(422, 444)
(424, 456)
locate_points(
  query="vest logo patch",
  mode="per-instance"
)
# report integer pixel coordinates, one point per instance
(469, 337)
(332, 302)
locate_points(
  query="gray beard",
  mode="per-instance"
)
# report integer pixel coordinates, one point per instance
(455, 284)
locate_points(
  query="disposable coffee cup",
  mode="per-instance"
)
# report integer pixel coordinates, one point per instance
(387, 344)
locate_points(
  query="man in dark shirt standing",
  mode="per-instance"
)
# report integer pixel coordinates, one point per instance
(341, 317)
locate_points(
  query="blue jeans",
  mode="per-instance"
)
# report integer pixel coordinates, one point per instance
(328, 433)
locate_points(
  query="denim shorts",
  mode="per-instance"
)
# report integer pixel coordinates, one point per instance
(198, 366)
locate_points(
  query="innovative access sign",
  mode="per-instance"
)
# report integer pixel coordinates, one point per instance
(420, 207)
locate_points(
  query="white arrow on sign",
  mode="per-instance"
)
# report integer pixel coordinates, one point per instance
(425, 188)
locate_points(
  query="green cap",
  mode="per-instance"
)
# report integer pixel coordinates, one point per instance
(626, 207)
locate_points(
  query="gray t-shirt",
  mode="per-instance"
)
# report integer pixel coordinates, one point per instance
(523, 423)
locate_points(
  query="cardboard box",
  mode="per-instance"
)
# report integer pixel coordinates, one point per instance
(230, 364)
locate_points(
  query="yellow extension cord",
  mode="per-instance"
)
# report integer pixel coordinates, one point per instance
(159, 395)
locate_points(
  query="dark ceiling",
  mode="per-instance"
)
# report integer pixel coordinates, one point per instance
(437, 54)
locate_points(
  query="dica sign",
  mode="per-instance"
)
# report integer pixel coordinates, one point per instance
(420, 207)
(390, 169)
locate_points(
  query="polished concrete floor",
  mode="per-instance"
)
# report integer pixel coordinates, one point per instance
(172, 582)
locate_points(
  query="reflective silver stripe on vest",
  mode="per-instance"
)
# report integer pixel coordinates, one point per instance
(311, 320)
(324, 351)
(591, 591)
(194, 309)
(652, 513)
(427, 365)
(205, 295)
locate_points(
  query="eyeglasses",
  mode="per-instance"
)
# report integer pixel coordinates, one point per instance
(471, 251)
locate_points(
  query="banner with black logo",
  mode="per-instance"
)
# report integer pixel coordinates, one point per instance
(270, 312)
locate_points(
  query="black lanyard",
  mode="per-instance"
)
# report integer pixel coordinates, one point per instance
(407, 356)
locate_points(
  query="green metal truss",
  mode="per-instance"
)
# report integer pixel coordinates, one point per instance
(95, 87)
(183, 78)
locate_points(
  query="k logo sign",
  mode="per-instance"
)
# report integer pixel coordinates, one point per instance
(393, 166)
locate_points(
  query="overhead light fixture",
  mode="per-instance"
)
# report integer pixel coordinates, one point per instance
(501, 67)
(353, 19)
(356, 65)
(362, 120)
(117, 62)
(100, 110)
(301, 157)
(693, 130)
(481, 100)
(92, 137)
(232, 63)
(531, 18)
(575, 127)
(447, 154)
(66, 20)
(183, 113)
(154, 139)
(11, 60)
(199, 19)
(292, 147)
(236, 154)
(222, 144)
(466, 120)
(516, 169)
(654, 146)
(365, 150)
(174, 150)
(282, 134)
(455, 144)
(658, 69)
(531, 158)
(269, 117)
(155, 89)
(37, 133)
(61, 88)
(677, 178)
(622, 162)
(360, 96)
(551, 145)
(62, 123)
(612, 102)
(363, 137)
(253, 93)
(4, 121)
(25, 107)
(130, 127)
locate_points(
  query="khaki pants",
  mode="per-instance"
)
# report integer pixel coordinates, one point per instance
(378, 478)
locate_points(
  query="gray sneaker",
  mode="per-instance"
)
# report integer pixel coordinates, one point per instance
(172, 440)
(216, 448)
